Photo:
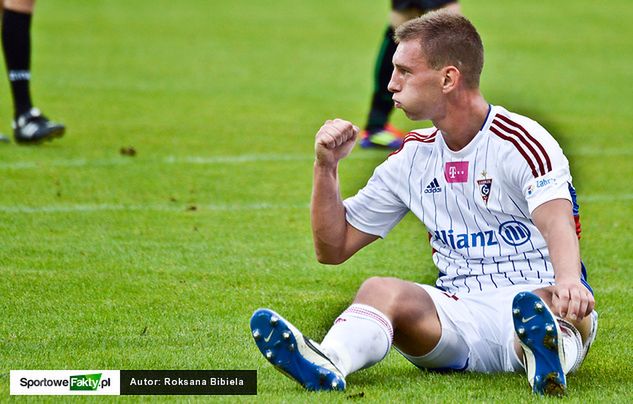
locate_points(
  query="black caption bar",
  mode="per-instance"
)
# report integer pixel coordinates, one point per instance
(185, 382)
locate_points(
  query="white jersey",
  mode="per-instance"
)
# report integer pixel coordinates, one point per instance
(475, 203)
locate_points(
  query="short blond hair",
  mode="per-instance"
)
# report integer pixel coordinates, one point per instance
(447, 39)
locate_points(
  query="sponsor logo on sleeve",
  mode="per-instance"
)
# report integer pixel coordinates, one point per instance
(540, 184)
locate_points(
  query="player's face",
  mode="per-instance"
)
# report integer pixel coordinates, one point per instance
(416, 88)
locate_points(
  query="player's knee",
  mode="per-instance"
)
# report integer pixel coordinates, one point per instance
(377, 290)
(392, 296)
(545, 293)
(375, 284)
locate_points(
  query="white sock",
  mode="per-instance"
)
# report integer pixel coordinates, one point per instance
(360, 337)
(572, 346)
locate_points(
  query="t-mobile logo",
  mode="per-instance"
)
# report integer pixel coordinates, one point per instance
(456, 171)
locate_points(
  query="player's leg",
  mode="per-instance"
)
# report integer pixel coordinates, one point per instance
(410, 313)
(577, 335)
(30, 126)
(551, 347)
(377, 131)
(385, 311)
(16, 42)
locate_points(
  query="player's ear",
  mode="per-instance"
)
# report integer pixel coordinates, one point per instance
(451, 77)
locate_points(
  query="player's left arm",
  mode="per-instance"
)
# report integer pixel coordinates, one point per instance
(555, 221)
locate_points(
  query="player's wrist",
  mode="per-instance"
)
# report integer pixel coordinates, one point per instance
(325, 164)
(567, 279)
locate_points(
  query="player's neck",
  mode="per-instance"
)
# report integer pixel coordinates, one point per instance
(463, 119)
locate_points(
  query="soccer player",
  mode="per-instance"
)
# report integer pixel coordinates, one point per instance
(494, 191)
(29, 125)
(378, 132)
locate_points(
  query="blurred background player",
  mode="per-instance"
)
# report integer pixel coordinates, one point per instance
(29, 125)
(378, 131)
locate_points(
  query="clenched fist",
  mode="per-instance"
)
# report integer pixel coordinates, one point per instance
(334, 141)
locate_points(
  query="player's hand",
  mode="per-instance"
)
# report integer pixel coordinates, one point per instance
(572, 300)
(334, 141)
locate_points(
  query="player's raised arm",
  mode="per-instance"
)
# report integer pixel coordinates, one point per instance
(555, 221)
(334, 239)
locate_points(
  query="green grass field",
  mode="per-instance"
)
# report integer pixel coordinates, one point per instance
(157, 261)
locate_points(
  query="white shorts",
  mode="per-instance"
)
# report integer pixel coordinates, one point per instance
(483, 321)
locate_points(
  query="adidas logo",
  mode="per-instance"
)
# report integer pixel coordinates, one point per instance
(433, 187)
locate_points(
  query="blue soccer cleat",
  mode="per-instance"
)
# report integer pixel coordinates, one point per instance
(539, 334)
(293, 354)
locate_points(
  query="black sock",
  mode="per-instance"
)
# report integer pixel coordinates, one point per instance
(381, 102)
(16, 44)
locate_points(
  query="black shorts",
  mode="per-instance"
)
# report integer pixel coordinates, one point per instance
(422, 5)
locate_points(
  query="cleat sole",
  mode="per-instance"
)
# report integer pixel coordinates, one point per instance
(56, 134)
(538, 333)
(538, 307)
(285, 356)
